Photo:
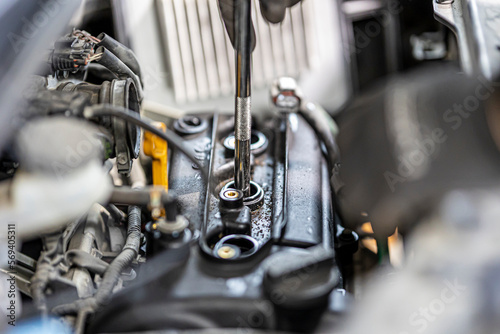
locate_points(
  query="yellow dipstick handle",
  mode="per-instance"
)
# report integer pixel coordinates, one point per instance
(156, 148)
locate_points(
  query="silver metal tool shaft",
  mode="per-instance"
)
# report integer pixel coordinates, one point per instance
(243, 118)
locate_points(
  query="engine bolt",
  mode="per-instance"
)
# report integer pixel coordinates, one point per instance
(121, 159)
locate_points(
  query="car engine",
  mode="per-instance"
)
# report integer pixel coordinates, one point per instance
(249, 166)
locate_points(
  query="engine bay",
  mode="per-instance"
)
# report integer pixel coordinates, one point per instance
(187, 198)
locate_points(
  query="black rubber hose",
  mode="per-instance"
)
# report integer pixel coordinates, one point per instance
(324, 126)
(112, 274)
(117, 67)
(321, 122)
(147, 124)
(134, 229)
(113, 63)
(126, 55)
(101, 72)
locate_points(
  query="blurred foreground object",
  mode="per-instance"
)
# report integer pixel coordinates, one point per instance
(60, 177)
(21, 43)
(448, 285)
(421, 135)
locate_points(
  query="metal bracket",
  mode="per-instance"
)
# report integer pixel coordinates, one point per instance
(476, 24)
